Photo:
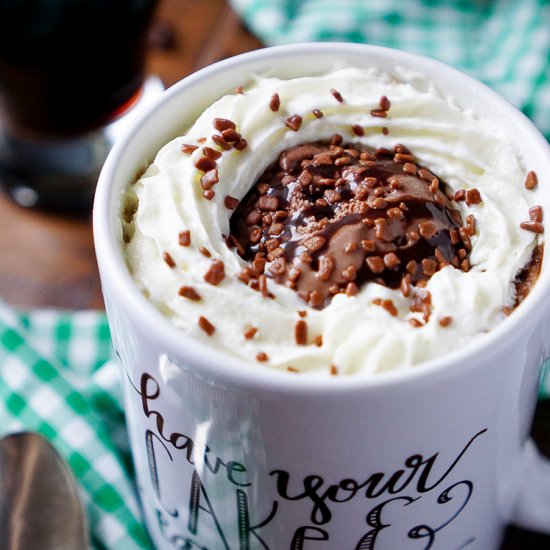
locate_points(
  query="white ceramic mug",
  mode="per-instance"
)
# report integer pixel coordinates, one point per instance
(230, 457)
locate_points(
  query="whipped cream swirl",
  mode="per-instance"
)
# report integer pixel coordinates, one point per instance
(352, 334)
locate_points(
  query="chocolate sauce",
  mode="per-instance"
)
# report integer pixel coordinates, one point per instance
(528, 276)
(326, 219)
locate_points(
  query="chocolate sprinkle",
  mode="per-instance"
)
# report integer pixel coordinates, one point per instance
(337, 95)
(300, 332)
(220, 142)
(184, 238)
(240, 144)
(211, 153)
(205, 164)
(422, 303)
(222, 124)
(533, 226)
(535, 214)
(471, 225)
(169, 260)
(230, 135)
(206, 325)
(388, 305)
(531, 180)
(294, 122)
(329, 217)
(188, 149)
(216, 273)
(275, 102)
(231, 202)
(380, 113)
(460, 195)
(209, 179)
(250, 333)
(190, 293)
(473, 197)
(384, 103)
(358, 130)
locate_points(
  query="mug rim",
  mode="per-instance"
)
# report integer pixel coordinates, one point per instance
(221, 364)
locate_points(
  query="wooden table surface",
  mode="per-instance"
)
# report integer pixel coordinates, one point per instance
(48, 260)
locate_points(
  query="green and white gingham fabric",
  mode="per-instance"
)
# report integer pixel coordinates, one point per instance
(56, 373)
(57, 378)
(504, 43)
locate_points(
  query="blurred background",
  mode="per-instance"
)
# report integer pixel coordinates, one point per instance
(48, 259)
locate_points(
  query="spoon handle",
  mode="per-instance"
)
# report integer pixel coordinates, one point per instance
(39, 502)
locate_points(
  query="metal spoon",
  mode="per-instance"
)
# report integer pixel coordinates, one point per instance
(39, 503)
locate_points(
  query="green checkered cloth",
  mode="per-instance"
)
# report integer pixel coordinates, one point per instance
(504, 43)
(57, 378)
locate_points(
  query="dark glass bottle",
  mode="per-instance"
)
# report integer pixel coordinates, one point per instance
(67, 69)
